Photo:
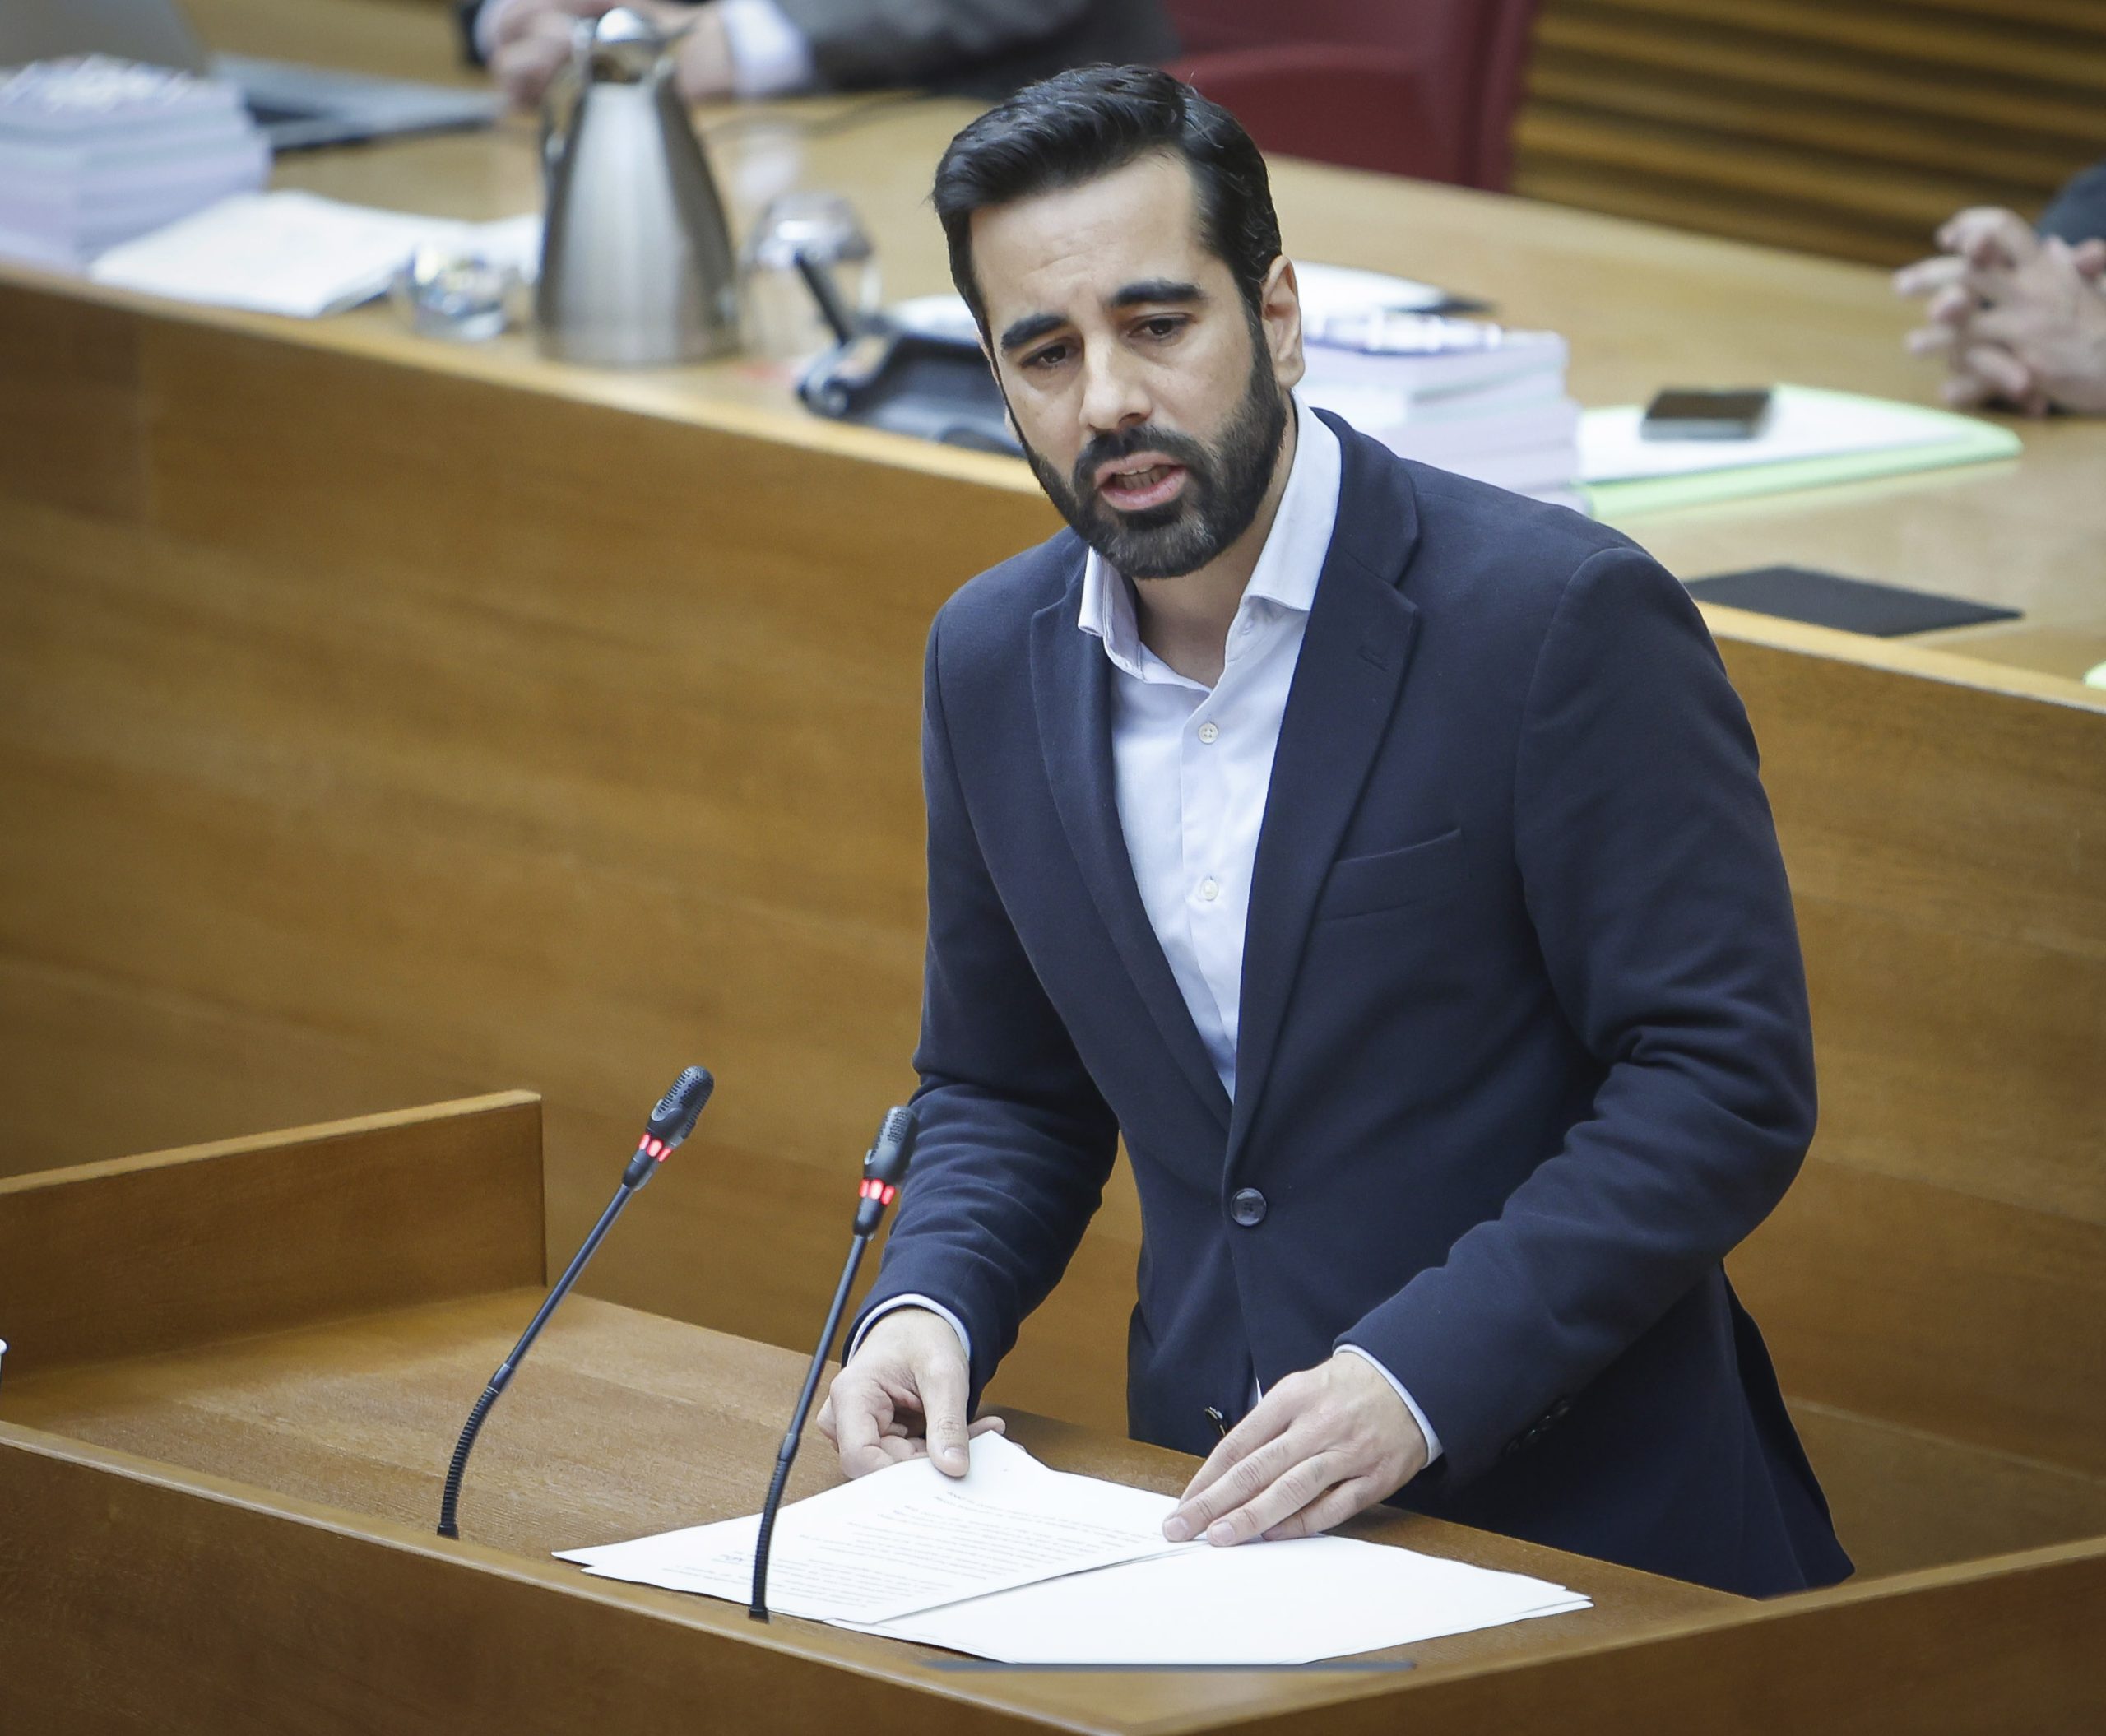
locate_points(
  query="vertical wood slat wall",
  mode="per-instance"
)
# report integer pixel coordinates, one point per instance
(1851, 127)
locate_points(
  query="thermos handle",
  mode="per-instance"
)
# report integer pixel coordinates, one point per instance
(560, 103)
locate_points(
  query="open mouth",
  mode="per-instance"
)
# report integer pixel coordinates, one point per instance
(1134, 485)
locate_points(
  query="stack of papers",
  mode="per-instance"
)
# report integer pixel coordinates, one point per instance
(94, 151)
(295, 253)
(1029, 1566)
(1340, 295)
(1476, 399)
(1811, 438)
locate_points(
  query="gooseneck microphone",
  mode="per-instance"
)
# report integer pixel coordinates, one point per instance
(884, 1173)
(671, 1123)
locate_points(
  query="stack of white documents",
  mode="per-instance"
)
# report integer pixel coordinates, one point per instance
(94, 151)
(1030, 1566)
(1480, 399)
(299, 254)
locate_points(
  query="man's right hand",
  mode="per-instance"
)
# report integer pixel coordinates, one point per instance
(901, 1395)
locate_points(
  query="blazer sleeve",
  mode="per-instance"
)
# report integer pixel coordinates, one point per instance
(466, 13)
(1650, 869)
(906, 42)
(2078, 213)
(1013, 1143)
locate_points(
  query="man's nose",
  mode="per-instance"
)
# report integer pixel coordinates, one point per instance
(1113, 395)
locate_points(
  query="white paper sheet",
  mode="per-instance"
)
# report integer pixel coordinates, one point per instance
(908, 1538)
(1279, 1602)
(1346, 292)
(295, 254)
(1027, 1565)
(1804, 423)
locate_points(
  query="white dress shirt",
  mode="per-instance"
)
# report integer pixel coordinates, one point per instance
(1191, 766)
(769, 55)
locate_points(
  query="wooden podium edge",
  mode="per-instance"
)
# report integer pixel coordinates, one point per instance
(2008, 1643)
(141, 1255)
(313, 1133)
(137, 1594)
(134, 1594)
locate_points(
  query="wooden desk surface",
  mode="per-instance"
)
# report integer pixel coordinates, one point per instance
(623, 1423)
(1643, 306)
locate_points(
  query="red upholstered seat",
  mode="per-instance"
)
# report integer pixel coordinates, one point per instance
(1416, 87)
(1361, 108)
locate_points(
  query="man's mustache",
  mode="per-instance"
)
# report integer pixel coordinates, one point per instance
(1124, 442)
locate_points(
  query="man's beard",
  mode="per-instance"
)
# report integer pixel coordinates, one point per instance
(1225, 484)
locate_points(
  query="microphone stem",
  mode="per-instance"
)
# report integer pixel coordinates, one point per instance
(450, 1501)
(787, 1456)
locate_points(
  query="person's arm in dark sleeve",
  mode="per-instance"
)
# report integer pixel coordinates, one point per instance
(2078, 213)
(465, 15)
(1013, 1143)
(908, 42)
(1649, 865)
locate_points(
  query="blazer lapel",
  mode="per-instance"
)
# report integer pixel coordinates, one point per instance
(1071, 688)
(1354, 650)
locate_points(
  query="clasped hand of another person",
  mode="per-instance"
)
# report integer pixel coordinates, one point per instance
(1321, 1446)
(530, 39)
(2020, 319)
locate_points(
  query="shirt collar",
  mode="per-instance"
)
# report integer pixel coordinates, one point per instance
(1288, 566)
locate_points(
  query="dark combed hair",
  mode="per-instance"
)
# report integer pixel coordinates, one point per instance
(1079, 125)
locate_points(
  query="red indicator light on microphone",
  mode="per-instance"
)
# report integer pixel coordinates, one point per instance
(656, 1149)
(887, 1196)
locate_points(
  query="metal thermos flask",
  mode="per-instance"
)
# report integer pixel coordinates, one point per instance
(637, 265)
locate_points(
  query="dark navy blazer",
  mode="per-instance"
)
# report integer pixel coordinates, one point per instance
(1524, 1046)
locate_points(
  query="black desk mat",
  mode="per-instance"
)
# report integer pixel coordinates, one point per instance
(1854, 604)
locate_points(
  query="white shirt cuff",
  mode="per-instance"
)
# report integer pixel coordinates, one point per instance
(769, 57)
(911, 1301)
(1411, 1405)
(486, 23)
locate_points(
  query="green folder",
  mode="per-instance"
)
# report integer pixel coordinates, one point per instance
(1961, 440)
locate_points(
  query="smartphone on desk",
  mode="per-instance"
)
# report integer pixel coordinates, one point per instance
(1685, 413)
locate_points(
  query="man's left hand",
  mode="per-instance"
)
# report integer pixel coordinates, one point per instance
(1319, 1447)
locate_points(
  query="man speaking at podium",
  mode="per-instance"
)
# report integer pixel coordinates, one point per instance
(1382, 855)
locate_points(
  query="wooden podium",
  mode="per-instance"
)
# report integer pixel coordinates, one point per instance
(237, 1371)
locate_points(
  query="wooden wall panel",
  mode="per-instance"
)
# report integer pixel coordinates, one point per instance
(1937, 1311)
(70, 435)
(1905, 1499)
(674, 796)
(1846, 127)
(1944, 843)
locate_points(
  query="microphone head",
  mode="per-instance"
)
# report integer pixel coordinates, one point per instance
(892, 1149)
(674, 1119)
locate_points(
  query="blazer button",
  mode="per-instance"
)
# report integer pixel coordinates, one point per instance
(1248, 1207)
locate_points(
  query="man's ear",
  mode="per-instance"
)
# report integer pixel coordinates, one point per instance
(1279, 311)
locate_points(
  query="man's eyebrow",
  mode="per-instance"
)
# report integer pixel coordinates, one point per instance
(1031, 326)
(1157, 289)
(1149, 289)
